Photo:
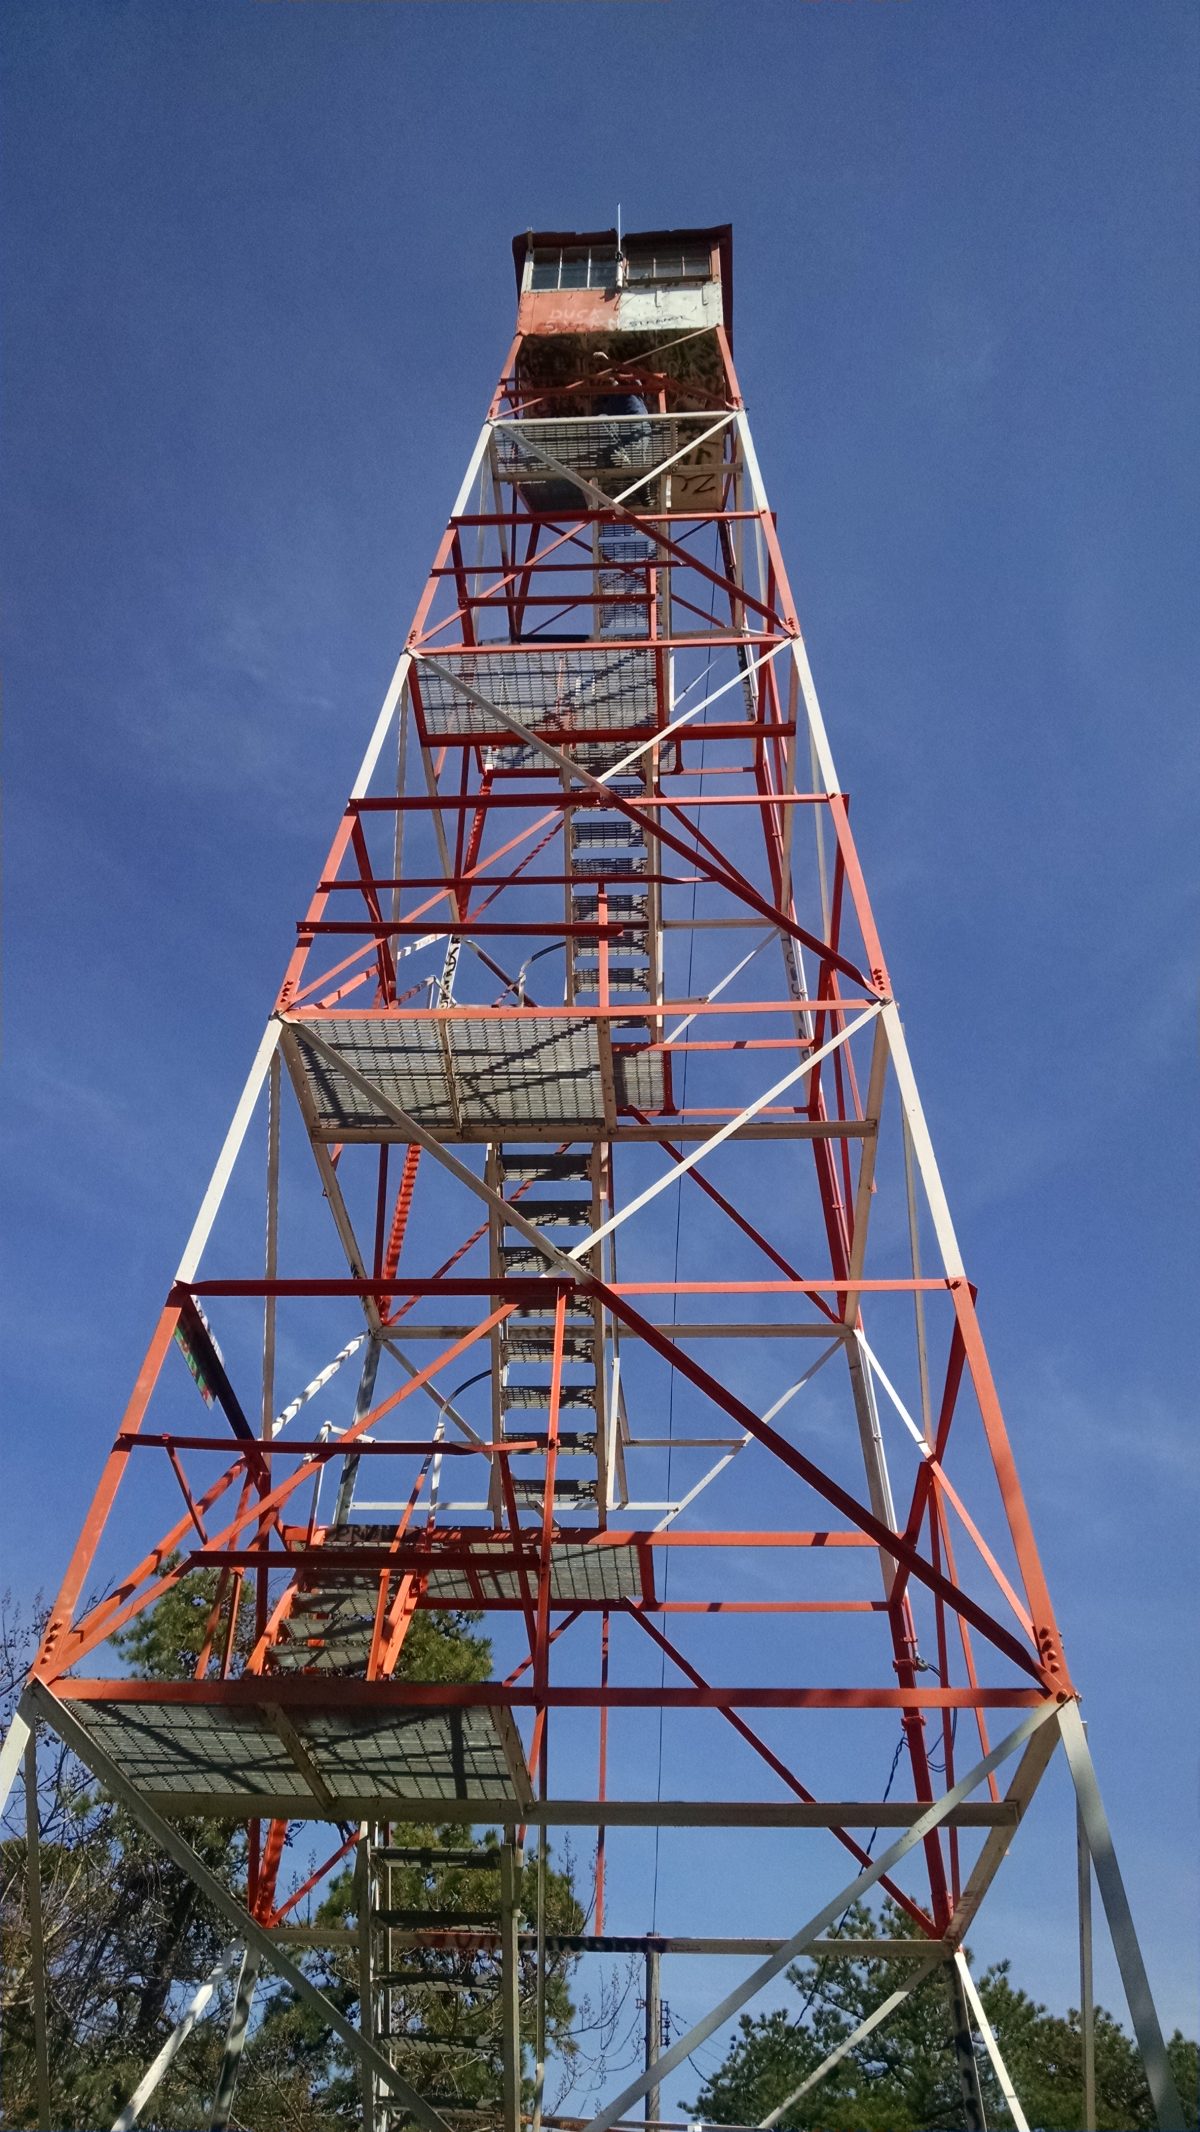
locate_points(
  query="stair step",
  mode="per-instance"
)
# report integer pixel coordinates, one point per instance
(573, 1493)
(415, 2039)
(619, 980)
(621, 955)
(446, 2103)
(535, 1343)
(626, 787)
(300, 1657)
(625, 544)
(556, 1213)
(436, 1920)
(624, 907)
(431, 1855)
(330, 1624)
(429, 1983)
(531, 1167)
(597, 756)
(534, 1398)
(522, 1258)
(331, 1606)
(614, 866)
(573, 1443)
(594, 836)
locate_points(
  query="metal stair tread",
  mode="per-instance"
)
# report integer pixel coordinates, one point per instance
(533, 1167)
(532, 1398)
(556, 1213)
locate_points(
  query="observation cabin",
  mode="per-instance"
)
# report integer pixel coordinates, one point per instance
(647, 281)
(631, 330)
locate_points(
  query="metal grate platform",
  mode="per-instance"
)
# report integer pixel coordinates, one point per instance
(465, 1078)
(561, 693)
(588, 1574)
(611, 452)
(236, 1759)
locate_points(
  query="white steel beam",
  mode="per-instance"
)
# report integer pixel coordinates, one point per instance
(37, 1938)
(16, 1739)
(864, 1189)
(1142, 2011)
(922, 1146)
(1087, 1998)
(196, 2007)
(395, 689)
(317, 1383)
(989, 2043)
(909, 1097)
(271, 1253)
(230, 1150)
(235, 2041)
(1026, 1778)
(726, 1132)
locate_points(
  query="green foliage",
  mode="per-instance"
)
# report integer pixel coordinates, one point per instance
(449, 2039)
(126, 1937)
(901, 2078)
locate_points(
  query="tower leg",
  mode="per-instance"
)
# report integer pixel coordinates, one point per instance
(16, 1739)
(239, 2022)
(653, 2109)
(1120, 1922)
(990, 2044)
(539, 2014)
(366, 1970)
(1087, 2004)
(37, 1944)
(197, 2006)
(510, 1981)
(964, 2052)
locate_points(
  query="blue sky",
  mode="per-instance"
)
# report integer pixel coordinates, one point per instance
(256, 256)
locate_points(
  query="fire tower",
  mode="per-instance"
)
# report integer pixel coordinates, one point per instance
(610, 1291)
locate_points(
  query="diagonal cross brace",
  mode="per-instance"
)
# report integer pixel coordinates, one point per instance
(646, 523)
(897, 1545)
(196, 2007)
(722, 876)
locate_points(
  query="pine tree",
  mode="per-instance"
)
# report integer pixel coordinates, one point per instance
(901, 2078)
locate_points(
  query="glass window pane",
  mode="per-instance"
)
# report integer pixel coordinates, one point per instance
(574, 271)
(545, 270)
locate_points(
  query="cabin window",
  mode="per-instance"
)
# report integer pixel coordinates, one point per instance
(574, 266)
(689, 265)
